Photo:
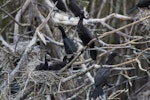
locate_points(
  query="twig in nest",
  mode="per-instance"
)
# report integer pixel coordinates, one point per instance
(115, 94)
(81, 91)
(140, 67)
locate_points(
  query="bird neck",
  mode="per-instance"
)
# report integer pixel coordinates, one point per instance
(81, 17)
(80, 21)
(63, 32)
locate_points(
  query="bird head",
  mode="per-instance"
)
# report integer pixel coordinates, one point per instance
(84, 14)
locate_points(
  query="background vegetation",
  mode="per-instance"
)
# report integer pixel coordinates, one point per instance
(25, 35)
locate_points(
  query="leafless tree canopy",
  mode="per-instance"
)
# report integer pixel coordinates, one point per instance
(28, 32)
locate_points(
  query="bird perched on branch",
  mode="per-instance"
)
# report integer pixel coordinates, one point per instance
(101, 77)
(86, 36)
(60, 5)
(140, 4)
(69, 45)
(75, 9)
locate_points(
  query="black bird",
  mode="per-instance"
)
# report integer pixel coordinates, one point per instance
(60, 5)
(101, 77)
(55, 64)
(69, 45)
(140, 4)
(75, 9)
(43, 66)
(86, 36)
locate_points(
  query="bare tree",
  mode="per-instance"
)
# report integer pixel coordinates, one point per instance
(28, 32)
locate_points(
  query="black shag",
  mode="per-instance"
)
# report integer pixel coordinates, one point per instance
(43, 66)
(101, 77)
(55, 64)
(86, 36)
(69, 45)
(75, 9)
(140, 4)
(60, 5)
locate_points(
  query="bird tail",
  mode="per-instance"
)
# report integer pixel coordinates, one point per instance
(132, 10)
(97, 92)
(93, 53)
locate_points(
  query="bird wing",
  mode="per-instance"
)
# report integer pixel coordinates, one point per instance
(84, 34)
(101, 76)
